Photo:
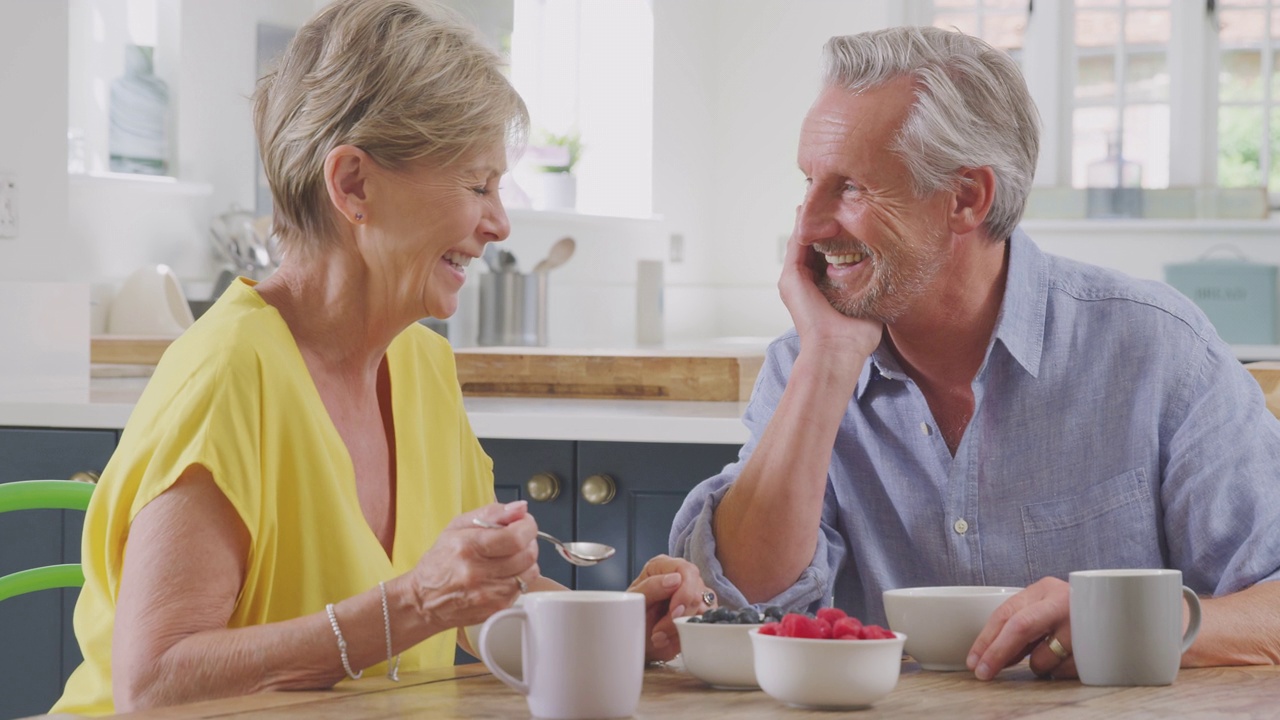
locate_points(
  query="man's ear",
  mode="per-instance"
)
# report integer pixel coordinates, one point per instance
(346, 170)
(972, 200)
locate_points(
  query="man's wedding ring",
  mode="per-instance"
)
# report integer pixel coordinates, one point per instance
(708, 598)
(524, 586)
(1056, 648)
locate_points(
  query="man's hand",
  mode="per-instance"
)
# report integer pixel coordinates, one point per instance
(816, 321)
(1027, 624)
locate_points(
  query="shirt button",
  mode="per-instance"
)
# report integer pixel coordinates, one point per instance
(925, 429)
(961, 527)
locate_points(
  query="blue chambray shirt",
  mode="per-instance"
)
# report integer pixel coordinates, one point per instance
(1112, 428)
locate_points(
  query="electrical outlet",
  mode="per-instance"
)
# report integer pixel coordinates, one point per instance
(8, 207)
(676, 253)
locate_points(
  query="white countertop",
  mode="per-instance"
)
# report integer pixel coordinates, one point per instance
(111, 400)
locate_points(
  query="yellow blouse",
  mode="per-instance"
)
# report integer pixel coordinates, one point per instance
(233, 394)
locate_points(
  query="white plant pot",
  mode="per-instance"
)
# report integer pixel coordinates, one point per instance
(558, 191)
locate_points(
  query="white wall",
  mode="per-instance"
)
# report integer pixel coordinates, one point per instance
(732, 84)
(33, 141)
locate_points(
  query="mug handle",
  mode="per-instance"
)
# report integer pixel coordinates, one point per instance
(518, 613)
(1193, 625)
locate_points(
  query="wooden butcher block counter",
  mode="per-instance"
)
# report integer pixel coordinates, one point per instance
(631, 374)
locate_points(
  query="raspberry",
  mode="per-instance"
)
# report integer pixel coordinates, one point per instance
(875, 632)
(831, 615)
(847, 628)
(771, 628)
(802, 626)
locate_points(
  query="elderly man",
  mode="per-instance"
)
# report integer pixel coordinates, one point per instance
(956, 407)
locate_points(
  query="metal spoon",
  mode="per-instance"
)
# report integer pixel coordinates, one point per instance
(557, 256)
(582, 554)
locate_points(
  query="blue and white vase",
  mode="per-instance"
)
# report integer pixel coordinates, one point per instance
(139, 103)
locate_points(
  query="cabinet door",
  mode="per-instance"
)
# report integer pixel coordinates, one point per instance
(515, 462)
(651, 482)
(40, 650)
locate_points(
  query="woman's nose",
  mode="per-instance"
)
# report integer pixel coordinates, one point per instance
(495, 226)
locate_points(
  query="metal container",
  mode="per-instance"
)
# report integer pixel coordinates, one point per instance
(513, 308)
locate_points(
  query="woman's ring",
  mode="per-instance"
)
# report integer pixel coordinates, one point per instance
(1056, 648)
(708, 598)
(524, 586)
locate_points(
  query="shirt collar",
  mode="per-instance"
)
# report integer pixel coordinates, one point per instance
(1019, 327)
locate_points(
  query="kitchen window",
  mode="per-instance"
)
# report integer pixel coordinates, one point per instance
(1154, 94)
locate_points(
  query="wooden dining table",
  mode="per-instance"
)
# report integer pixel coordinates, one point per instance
(469, 691)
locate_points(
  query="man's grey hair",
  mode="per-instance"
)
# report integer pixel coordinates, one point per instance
(972, 109)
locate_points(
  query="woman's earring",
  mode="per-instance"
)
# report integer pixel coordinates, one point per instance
(359, 216)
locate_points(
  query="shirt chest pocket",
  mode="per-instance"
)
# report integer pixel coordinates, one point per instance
(1108, 525)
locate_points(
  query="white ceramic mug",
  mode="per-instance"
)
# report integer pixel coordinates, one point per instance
(1126, 625)
(583, 653)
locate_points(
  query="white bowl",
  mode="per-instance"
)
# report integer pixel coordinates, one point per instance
(942, 622)
(505, 644)
(827, 674)
(150, 303)
(718, 654)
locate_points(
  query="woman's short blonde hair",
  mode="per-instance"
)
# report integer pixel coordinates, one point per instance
(403, 80)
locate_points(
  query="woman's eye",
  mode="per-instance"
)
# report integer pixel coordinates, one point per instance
(481, 190)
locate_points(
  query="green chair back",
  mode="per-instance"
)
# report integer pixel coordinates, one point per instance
(43, 495)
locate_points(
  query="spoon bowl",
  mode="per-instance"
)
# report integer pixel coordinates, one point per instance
(557, 256)
(582, 554)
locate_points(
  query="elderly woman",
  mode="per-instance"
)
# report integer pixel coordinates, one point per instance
(292, 502)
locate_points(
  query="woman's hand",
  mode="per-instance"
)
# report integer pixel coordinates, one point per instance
(1035, 622)
(672, 588)
(472, 572)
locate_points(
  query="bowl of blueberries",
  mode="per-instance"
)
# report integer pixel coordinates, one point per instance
(716, 648)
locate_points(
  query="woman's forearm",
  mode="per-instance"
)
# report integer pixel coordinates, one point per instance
(298, 654)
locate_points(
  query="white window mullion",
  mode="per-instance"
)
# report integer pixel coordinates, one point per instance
(1193, 93)
(1048, 62)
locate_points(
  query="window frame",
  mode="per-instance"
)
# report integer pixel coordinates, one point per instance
(1049, 65)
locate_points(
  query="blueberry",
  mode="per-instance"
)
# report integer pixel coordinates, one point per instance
(748, 616)
(695, 619)
(775, 613)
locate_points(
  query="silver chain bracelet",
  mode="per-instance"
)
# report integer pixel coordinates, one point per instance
(342, 643)
(393, 667)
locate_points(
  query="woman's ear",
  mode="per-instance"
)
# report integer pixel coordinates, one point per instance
(346, 170)
(972, 201)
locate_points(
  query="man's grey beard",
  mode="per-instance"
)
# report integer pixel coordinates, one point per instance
(890, 292)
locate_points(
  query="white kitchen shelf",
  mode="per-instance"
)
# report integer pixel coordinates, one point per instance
(1157, 229)
(519, 215)
(129, 182)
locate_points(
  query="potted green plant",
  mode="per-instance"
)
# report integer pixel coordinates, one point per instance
(554, 155)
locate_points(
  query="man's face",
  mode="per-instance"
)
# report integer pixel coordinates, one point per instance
(876, 247)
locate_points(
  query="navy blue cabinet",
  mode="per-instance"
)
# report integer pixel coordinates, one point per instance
(40, 649)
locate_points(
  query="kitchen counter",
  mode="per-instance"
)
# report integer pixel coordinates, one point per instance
(112, 399)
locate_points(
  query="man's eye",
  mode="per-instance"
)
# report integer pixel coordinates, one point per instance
(481, 190)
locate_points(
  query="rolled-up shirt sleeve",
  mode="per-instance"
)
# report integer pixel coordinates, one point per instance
(692, 535)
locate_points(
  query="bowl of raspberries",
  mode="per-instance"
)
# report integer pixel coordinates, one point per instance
(715, 647)
(828, 661)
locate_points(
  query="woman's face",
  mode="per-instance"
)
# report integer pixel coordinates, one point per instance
(427, 222)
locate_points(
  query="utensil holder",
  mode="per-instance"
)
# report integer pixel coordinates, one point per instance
(513, 309)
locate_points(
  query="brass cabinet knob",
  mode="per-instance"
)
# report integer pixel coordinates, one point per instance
(543, 487)
(599, 489)
(88, 476)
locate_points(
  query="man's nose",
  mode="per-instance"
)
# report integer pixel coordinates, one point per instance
(815, 221)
